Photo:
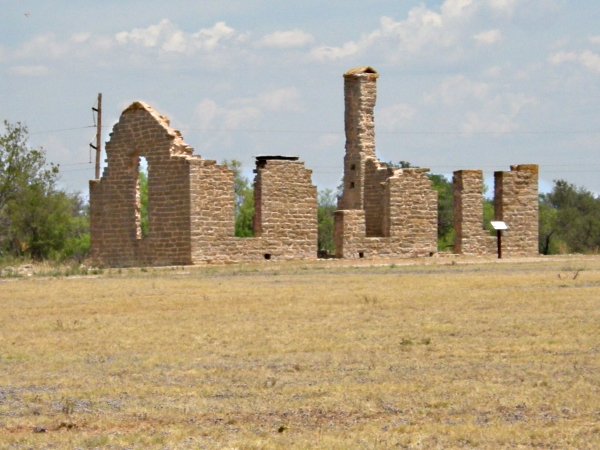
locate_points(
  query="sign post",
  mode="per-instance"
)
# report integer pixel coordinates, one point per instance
(499, 226)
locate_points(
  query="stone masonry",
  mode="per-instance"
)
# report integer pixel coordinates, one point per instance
(383, 211)
(470, 237)
(515, 203)
(191, 202)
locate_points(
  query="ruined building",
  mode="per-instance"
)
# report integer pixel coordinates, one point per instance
(383, 211)
(191, 215)
(515, 203)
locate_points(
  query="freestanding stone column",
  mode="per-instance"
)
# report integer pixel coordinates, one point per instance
(360, 93)
(470, 237)
(516, 203)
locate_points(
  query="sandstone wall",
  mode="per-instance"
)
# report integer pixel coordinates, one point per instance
(409, 218)
(114, 199)
(191, 210)
(360, 95)
(516, 203)
(383, 212)
(470, 238)
(287, 220)
(375, 182)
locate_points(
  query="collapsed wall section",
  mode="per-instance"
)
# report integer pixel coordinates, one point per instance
(285, 225)
(470, 237)
(516, 203)
(408, 216)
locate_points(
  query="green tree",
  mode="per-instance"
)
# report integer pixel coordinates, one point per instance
(445, 192)
(244, 200)
(34, 215)
(569, 217)
(326, 206)
(143, 186)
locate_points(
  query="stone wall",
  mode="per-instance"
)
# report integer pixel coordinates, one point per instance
(114, 199)
(383, 211)
(470, 237)
(286, 223)
(360, 94)
(191, 210)
(516, 203)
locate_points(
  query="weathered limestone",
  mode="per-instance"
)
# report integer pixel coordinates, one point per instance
(191, 202)
(383, 211)
(470, 237)
(285, 202)
(515, 203)
(360, 94)
(114, 200)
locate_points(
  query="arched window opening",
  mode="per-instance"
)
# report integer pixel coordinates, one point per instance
(142, 198)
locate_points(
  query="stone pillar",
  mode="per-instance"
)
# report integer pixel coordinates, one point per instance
(516, 203)
(470, 237)
(360, 93)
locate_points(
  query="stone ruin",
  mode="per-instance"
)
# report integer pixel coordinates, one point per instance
(382, 212)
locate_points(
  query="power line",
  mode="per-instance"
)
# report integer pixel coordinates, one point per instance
(63, 129)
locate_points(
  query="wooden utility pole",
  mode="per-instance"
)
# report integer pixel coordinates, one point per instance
(98, 146)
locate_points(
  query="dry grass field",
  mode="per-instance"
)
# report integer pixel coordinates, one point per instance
(297, 355)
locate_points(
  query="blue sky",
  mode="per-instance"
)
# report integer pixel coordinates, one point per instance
(464, 84)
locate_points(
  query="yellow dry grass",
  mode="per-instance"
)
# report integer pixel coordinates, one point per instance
(297, 355)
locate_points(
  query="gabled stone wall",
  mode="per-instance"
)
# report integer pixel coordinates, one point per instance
(114, 199)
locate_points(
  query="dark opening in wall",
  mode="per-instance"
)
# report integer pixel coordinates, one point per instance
(352, 185)
(267, 256)
(361, 254)
(353, 167)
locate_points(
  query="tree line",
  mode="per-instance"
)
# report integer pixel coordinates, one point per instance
(40, 221)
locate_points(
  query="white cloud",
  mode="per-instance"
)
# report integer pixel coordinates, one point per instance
(146, 37)
(325, 52)
(284, 99)
(209, 115)
(503, 6)
(209, 38)
(488, 37)
(392, 116)
(457, 89)
(29, 71)
(423, 30)
(499, 114)
(595, 39)
(167, 37)
(586, 58)
(286, 39)
(277, 100)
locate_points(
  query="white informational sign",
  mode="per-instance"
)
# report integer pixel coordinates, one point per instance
(499, 225)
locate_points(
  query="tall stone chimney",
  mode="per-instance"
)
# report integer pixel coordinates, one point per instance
(360, 94)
